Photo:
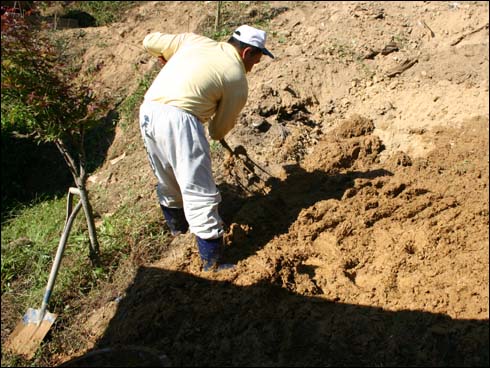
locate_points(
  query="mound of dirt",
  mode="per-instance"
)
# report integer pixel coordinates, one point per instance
(358, 210)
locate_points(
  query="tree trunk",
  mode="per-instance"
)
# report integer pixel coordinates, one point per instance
(218, 16)
(92, 233)
(79, 176)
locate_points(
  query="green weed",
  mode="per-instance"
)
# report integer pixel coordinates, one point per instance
(215, 146)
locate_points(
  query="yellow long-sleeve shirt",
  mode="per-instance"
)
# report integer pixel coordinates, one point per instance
(202, 77)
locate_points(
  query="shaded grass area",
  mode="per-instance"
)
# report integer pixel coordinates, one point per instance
(32, 172)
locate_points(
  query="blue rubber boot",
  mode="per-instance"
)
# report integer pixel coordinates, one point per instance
(175, 220)
(210, 252)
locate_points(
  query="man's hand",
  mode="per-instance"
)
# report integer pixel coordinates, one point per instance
(162, 60)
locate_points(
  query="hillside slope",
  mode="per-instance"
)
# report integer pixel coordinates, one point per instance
(363, 236)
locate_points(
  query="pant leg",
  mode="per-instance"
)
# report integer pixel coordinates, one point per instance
(167, 188)
(180, 139)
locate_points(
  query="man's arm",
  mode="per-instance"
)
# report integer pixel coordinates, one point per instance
(163, 46)
(229, 108)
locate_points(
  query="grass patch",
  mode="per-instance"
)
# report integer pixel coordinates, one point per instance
(28, 241)
(29, 245)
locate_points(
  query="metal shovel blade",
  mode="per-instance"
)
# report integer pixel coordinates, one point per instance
(30, 332)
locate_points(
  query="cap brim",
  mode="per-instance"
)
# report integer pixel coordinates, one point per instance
(267, 52)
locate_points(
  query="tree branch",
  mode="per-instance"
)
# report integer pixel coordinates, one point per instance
(67, 157)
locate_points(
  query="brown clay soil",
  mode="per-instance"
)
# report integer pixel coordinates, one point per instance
(358, 222)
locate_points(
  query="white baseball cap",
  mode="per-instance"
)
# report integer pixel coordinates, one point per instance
(253, 37)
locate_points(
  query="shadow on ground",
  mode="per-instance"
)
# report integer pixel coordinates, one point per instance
(198, 322)
(195, 321)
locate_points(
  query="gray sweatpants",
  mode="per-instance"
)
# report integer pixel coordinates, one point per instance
(179, 156)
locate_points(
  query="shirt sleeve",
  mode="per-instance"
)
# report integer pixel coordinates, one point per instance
(159, 44)
(227, 112)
